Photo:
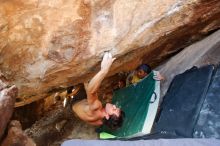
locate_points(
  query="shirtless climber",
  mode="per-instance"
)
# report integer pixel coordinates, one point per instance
(90, 109)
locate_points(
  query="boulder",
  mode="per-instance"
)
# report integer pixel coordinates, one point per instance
(16, 136)
(7, 101)
(201, 53)
(48, 45)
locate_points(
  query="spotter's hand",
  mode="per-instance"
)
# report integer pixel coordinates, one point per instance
(158, 77)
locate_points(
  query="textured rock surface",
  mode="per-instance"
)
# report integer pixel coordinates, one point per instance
(45, 45)
(16, 136)
(7, 101)
(206, 51)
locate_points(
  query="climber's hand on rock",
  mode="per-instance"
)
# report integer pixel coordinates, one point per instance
(107, 61)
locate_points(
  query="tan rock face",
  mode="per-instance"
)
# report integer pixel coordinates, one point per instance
(55, 43)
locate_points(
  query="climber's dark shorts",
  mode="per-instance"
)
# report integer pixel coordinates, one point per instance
(79, 96)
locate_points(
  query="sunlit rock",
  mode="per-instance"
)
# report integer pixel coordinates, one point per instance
(45, 45)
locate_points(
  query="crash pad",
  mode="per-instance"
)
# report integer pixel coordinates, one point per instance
(160, 142)
(139, 102)
(183, 102)
(208, 124)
